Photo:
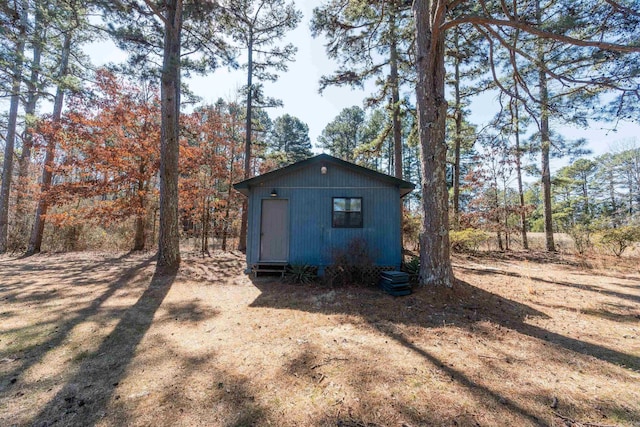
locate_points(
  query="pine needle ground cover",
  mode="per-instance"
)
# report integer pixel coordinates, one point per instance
(95, 339)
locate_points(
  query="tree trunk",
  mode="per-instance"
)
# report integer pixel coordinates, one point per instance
(545, 143)
(457, 137)
(435, 261)
(169, 237)
(523, 213)
(7, 166)
(242, 241)
(395, 93)
(37, 231)
(140, 222)
(24, 162)
(227, 212)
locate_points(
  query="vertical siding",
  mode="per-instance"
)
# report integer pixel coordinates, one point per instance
(312, 239)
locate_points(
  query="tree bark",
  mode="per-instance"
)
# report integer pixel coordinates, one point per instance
(395, 93)
(169, 233)
(24, 162)
(545, 144)
(435, 261)
(458, 135)
(139, 241)
(7, 166)
(227, 212)
(35, 241)
(242, 240)
(523, 214)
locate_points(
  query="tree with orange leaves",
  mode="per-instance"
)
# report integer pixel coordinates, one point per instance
(211, 156)
(109, 144)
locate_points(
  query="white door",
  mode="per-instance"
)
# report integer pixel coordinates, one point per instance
(274, 230)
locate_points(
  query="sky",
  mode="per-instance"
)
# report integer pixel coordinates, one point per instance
(298, 89)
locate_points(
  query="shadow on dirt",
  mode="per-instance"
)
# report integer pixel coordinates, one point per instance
(462, 306)
(85, 396)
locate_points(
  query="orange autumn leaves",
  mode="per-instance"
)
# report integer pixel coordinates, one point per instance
(107, 162)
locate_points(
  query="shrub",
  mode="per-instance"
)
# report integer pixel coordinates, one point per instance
(353, 265)
(412, 268)
(581, 236)
(618, 239)
(301, 274)
(467, 240)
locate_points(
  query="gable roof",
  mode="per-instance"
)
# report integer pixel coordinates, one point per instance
(404, 186)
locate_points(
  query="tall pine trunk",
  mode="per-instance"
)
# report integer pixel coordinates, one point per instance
(24, 162)
(37, 232)
(169, 233)
(545, 142)
(458, 135)
(435, 260)
(523, 214)
(242, 241)
(227, 211)
(395, 93)
(7, 165)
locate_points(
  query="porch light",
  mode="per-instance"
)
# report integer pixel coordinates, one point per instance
(323, 170)
(274, 193)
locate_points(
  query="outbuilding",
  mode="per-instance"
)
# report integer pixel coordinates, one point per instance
(305, 212)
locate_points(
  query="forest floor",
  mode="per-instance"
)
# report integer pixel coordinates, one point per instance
(522, 339)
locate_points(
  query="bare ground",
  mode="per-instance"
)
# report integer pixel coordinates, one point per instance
(522, 339)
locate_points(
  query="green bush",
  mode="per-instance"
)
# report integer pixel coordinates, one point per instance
(301, 274)
(412, 268)
(467, 240)
(581, 236)
(617, 240)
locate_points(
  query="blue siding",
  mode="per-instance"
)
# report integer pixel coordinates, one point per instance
(312, 239)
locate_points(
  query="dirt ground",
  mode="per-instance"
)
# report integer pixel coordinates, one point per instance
(522, 339)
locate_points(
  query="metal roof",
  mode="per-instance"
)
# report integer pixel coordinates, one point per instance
(244, 186)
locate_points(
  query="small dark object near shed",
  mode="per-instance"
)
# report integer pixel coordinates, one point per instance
(305, 212)
(395, 283)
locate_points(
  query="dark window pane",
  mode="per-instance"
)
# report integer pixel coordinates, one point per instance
(355, 219)
(347, 212)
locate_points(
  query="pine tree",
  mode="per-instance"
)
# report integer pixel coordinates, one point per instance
(16, 19)
(433, 19)
(256, 25)
(342, 136)
(289, 140)
(372, 41)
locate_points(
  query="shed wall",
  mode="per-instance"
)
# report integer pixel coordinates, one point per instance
(312, 239)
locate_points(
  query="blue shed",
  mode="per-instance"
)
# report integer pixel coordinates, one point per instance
(304, 212)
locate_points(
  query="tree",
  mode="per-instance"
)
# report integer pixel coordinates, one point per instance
(343, 135)
(35, 84)
(256, 26)
(70, 29)
(17, 17)
(110, 142)
(433, 19)
(289, 140)
(171, 26)
(577, 178)
(371, 40)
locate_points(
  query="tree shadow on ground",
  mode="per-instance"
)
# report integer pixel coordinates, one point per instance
(463, 306)
(35, 352)
(584, 287)
(86, 394)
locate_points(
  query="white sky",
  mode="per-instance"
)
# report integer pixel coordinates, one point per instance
(298, 89)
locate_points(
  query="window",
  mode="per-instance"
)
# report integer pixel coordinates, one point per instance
(347, 212)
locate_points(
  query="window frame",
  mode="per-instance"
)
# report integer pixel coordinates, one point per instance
(347, 213)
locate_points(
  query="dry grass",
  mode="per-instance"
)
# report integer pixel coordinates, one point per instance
(90, 339)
